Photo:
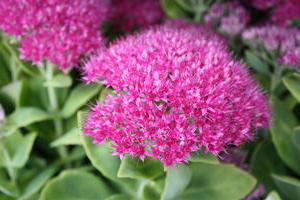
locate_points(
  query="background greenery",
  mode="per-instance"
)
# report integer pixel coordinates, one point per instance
(43, 154)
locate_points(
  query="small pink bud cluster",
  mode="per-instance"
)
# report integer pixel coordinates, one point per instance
(60, 31)
(282, 41)
(230, 18)
(263, 4)
(131, 14)
(178, 90)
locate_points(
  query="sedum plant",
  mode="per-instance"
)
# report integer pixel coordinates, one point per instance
(115, 100)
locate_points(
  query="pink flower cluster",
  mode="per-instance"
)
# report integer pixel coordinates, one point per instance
(230, 18)
(131, 14)
(178, 90)
(282, 41)
(284, 11)
(60, 31)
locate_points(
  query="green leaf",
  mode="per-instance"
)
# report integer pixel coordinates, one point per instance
(178, 178)
(280, 112)
(59, 81)
(23, 117)
(33, 94)
(296, 139)
(256, 63)
(216, 182)
(200, 156)
(100, 155)
(37, 182)
(150, 192)
(12, 90)
(7, 187)
(292, 83)
(101, 158)
(273, 196)
(262, 164)
(120, 197)
(73, 185)
(172, 9)
(282, 136)
(79, 97)
(15, 150)
(289, 187)
(70, 138)
(137, 169)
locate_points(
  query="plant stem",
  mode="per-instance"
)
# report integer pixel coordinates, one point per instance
(54, 107)
(276, 78)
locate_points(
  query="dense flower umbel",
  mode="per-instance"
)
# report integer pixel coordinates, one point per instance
(130, 14)
(178, 89)
(230, 18)
(57, 30)
(282, 41)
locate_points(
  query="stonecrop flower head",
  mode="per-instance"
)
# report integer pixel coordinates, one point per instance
(130, 14)
(229, 17)
(60, 31)
(282, 41)
(178, 89)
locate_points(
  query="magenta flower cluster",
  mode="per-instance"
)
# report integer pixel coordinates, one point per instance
(60, 31)
(178, 90)
(229, 17)
(282, 41)
(131, 14)
(283, 11)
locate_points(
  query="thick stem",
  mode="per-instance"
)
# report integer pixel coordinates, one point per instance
(54, 107)
(276, 78)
